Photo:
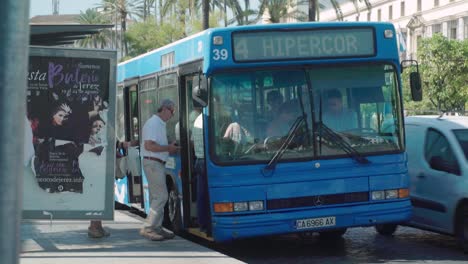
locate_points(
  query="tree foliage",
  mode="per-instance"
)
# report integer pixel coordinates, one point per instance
(444, 74)
(145, 36)
(103, 38)
(184, 18)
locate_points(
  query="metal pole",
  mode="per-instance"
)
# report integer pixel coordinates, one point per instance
(14, 41)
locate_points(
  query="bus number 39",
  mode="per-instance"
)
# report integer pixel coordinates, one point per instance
(221, 54)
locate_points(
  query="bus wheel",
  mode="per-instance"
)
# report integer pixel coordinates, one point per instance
(172, 216)
(332, 234)
(462, 227)
(386, 229)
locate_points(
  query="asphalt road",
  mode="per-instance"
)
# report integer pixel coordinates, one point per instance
(358, 245)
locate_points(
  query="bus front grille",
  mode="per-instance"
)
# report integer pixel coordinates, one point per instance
(317, 200)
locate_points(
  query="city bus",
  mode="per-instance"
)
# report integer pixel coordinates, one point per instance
(277, 159)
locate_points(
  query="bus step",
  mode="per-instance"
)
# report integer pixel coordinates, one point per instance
(196, 232)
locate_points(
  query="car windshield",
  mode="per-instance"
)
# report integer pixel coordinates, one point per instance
(462, 138)
(252, 113)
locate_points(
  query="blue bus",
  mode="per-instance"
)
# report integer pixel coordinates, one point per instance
(302, 128)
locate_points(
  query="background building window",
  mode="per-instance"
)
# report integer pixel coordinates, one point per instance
(419, 5)
(390, 12)
(465, 23)
(436, 28)
(436, 2)
(452, 29)
(379, 15)
(402, 8)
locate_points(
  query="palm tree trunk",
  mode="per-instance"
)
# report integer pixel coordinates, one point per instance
(312, 9)
(123, 25)
(206, 14)
(160, 12)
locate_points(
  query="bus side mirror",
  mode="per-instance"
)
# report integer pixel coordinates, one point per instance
(415, 79)
(200, 91)
(415, 84)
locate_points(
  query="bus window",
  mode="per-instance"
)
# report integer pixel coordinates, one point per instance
(133, 108)
(120, 115)
(167, 89)
(368, 117)
(245, 128)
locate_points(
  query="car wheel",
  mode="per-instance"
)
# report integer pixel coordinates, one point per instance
(172, 215)
(386, 229)
(462, 228)
(332, 234)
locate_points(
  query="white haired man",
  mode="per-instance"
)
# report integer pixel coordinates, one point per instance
(155, 150)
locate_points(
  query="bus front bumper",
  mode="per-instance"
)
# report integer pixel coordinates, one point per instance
(231, 227)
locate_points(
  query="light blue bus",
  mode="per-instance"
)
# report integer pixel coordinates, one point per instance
(302, 126)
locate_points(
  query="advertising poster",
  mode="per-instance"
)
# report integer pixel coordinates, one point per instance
(70, 169)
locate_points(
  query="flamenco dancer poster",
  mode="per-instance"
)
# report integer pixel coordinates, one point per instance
(68, 112)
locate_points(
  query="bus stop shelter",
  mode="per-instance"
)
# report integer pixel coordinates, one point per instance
(61, 34)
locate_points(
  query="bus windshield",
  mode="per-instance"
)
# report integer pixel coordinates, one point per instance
(252, 113)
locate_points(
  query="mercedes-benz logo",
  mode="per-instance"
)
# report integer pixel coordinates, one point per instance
(318, 200)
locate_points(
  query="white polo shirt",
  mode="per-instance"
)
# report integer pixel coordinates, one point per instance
(197, 137)
(154, 130)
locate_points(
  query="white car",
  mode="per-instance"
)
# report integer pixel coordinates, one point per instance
(438, 168)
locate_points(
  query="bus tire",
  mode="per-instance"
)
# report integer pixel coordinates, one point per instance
(332, 234)
(386, 229)
(172, 215)
(461, 227)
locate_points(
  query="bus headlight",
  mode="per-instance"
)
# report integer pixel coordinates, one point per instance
(378, 195)
(241, 206)
(391, 194)
(230, 207)
(256, 205)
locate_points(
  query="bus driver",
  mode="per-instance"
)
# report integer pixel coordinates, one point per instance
(335, 115)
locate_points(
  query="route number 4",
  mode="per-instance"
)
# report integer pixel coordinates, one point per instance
(221, 54)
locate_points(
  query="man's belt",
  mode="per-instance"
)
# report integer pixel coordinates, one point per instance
(155, 159)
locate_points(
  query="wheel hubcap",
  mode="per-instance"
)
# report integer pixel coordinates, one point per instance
(172, 202)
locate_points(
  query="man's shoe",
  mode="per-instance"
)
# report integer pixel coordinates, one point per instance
(167, 234)
(151, 235)
(97, 233)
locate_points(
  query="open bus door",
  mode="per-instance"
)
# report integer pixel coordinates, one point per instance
(130, 188)
(133, 127)
(191, 192)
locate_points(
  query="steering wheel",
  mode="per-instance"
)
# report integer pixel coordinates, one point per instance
(272, 143)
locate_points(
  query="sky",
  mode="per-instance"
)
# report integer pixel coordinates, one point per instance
(44, 7)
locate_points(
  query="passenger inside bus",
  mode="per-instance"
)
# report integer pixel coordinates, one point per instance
(280, 125)
(237, 134)
(335, 116)
(200, 173)
(274, 100)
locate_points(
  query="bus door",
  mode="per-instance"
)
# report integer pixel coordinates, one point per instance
(193, 157)
(135, 187)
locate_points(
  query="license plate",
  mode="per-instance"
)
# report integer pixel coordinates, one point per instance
(315, 222)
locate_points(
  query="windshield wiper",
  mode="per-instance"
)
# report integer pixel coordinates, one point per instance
(334, 138)
(291, 134)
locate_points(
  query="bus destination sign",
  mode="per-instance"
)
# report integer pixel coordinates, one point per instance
(282, 45)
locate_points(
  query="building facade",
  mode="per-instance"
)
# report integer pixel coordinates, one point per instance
(413, 19)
